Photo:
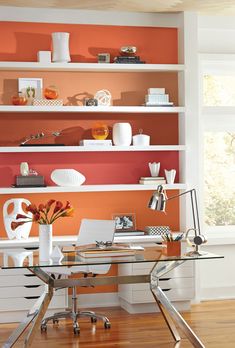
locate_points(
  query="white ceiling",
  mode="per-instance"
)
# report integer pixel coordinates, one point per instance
(212, 7)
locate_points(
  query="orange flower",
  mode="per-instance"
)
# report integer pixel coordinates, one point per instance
(42, 215)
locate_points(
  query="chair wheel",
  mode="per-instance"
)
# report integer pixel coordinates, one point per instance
(55, 321)
(93, 319)
(43, 328)
(107, 325)
(76, 330)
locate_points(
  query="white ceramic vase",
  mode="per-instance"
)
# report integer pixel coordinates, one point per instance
(45, 242)
(122, 134)
(170, 176)
(23, 231)
(154, 168)
(60, 44)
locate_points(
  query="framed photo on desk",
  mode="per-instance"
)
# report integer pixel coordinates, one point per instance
(124, 222)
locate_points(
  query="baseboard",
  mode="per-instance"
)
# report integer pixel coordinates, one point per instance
(220, 293)
(151, 307)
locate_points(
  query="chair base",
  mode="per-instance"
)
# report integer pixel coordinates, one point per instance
(74, 315)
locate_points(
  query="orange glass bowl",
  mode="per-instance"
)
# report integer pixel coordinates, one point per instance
(19, 99)
(100, 131)
(51, 93)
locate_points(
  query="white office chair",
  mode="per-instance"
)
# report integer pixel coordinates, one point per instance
(90, 231)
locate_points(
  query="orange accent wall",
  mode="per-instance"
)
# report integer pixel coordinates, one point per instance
(21, 42)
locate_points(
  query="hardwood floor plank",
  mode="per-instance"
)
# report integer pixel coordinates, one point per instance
(213, 322)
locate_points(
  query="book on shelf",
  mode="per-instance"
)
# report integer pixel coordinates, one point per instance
(91, 142)
(152, 178)
(129, 233)
(152, 182)
(92, 251)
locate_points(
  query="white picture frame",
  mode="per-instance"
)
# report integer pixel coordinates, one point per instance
(31, 88)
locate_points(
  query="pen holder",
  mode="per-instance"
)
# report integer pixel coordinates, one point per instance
(172, 248)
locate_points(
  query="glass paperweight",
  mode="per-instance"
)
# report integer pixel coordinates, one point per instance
(51, 92)
(19, 99)
(100, 131)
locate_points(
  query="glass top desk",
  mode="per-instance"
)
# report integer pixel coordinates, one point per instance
(163, 264)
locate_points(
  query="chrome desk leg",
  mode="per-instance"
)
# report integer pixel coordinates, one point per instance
(169, 312)
(37, 312)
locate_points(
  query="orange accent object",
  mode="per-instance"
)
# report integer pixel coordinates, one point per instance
(172, 248)
(100, 131)
(19, 99)
(51, 92)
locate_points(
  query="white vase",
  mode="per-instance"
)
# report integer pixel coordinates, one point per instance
(122, 134)
(154, 168)
(45, 242)
(170, 176)
(60, 44)
(23, 231)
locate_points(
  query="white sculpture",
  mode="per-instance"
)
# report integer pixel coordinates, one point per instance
(170, 176)
(21, 231)
(67, 177)
(60, 44)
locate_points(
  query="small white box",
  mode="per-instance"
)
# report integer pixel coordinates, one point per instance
(91, 142)
(44, 56)
(156, 91)
(157, 98)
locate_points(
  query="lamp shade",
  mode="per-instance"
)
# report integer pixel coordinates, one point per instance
(158, 200)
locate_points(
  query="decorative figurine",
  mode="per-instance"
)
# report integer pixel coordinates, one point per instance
(103, 97)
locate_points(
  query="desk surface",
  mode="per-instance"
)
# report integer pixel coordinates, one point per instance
(30, 259)
(70, 239)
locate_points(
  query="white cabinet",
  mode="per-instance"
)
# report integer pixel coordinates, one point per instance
(178, 285)
(19, 289)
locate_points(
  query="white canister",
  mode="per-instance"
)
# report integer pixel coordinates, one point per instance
(141, 140)
(122, 134)
(60, 47)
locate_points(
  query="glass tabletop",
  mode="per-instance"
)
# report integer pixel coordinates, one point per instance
(21, 258)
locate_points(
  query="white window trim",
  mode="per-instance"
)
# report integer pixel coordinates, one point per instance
(216, 118)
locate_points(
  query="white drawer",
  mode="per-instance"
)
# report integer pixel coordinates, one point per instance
(184, 270)
(26, 291)
(14, 271)
(17, 304)
(145, 296)
(17, 280)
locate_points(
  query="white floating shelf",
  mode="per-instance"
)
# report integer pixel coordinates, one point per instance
(93, 109)
(89, 188)
(93, 148)
(90, 67)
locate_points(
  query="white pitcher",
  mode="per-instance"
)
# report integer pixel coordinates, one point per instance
(154, 168)
(22, 231)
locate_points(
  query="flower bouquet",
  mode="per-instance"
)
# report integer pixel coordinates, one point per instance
(43, 214)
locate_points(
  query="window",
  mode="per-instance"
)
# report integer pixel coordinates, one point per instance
(218, 114)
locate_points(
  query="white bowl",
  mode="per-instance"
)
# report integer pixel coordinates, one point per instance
(67, 177)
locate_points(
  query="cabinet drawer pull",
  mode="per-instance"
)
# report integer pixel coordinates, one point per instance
(164, 279)
(32, 286)
(29, 275)
(31, 297)
(166, 290)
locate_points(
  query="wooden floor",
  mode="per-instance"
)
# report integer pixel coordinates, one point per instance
(213, 322)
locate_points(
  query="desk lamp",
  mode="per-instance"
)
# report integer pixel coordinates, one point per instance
(158, 202)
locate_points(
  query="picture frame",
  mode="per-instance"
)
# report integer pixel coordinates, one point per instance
(124, 222)
(31, 88)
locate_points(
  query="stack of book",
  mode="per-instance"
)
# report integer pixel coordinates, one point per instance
(152, 180)
(129, 233)
(128, 60)
(157, 97)
(94, 142)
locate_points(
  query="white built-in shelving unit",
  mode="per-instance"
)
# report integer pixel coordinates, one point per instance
(91, 67)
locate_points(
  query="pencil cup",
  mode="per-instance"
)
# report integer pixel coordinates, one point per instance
(172, 248)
